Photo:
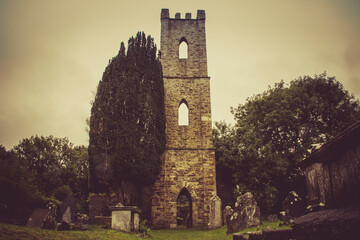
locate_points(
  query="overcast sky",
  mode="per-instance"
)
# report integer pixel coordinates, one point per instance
(53, 53)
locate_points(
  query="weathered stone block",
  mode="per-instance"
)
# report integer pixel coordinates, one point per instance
(215, 213)
(37, 218)
(281, 234)
(246, 214)
(125, 218)
(331, 224)
(136, 222)
(120, 220)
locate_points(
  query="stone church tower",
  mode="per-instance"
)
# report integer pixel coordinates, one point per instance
(188, 167)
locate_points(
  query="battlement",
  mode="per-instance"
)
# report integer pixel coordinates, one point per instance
(166, 15)
(176, 30)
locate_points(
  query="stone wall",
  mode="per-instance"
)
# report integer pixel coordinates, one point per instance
(190, 169)
(196, 92)
(345, 178)
(335, 183)
(189, 158)
(332, 173)
(99, 202)
(318, 183)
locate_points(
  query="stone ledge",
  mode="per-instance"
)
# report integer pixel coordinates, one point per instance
(126, 208)
(185, 77)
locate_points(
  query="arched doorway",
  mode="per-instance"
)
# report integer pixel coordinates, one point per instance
(184, 209)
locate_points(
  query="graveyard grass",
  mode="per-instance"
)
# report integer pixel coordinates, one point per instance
(96, 232)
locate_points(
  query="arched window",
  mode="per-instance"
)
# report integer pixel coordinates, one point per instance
(183, 49)
(183, 113)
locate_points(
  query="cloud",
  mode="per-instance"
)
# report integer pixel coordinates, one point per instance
(53, 53)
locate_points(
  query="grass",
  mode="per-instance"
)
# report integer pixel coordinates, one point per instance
(96, 232)
(265, 225)
(191, 233)
(8, 232)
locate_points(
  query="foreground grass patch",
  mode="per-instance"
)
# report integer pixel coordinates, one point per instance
(95, 232)
(191, 233)
(265, 225)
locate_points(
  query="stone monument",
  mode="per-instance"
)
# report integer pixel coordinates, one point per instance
(188, 163)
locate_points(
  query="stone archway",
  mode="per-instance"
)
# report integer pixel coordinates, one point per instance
(184, 209)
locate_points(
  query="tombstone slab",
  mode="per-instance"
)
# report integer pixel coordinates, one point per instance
(340, 223)
(37, 218)
(125, 218)
(215, 213)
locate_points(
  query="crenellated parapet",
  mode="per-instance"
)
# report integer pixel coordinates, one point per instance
(165, 14)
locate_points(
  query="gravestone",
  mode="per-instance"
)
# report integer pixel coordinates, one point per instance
(43, 217)
(293, 205)
(81, 222)
(125, 218)
(215, 213)
(37, 218)
(246, 214)
(227, 212)
(67, 210)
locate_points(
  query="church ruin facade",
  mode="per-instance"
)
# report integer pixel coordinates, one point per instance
(184, 192)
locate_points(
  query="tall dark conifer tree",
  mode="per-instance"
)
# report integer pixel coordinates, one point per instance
(127, 124)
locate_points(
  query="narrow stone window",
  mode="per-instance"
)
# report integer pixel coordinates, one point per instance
(183, 113)
(183, 49)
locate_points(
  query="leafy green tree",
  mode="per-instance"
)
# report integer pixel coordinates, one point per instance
(274, 131)
(80, 167)
(57, 167)
(17, 186)
(127, 123)
(45, 157)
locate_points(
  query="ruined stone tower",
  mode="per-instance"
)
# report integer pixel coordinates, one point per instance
(189, 160)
